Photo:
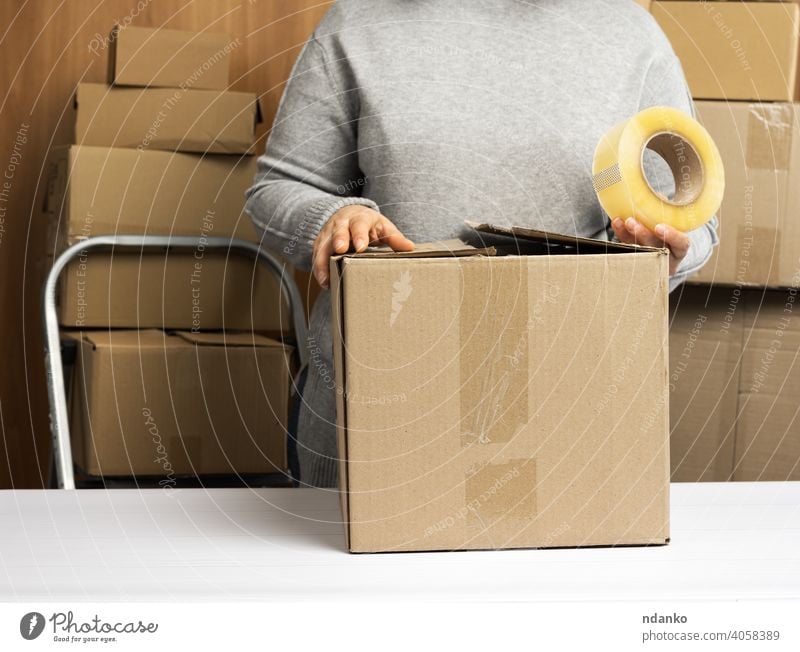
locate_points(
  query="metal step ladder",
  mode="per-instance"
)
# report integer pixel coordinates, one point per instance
(59, 419)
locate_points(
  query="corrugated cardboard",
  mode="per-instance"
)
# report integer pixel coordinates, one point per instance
(174, 291)
(705, 350)
(768, 436)
(157, 404)
(758, 221)
(141, 56)
(102, 190)
(97, 191)
(513, 400)
(735, 50)
(734, 381)
(221, 122)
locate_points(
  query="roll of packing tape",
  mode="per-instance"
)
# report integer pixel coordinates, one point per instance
(621, 183)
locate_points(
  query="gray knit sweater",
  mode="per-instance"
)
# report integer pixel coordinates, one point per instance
(437, 111)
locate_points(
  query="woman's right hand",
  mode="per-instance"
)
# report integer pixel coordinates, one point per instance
(360, 226)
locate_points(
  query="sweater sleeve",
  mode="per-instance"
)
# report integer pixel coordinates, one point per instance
(310, 168)
(665, 85)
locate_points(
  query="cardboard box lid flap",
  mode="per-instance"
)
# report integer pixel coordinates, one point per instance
(154, 338)
(438, 249)
(213, 338)
(146, 338)
(549, 237)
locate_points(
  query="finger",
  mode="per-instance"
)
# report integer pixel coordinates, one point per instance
(623, 235)
(642, 234)
(389, 234)
(359, 232)
(341, 236)
(677, 241)
(322, 255)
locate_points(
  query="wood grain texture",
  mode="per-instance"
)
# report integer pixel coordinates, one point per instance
(46, 48)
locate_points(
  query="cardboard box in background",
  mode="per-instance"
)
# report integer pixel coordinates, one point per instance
(705, 350)
(735, 379)
(759, 227)
(97, 191)
(102, 190)
(155, 404)
(768, 434)
(516, 401)
(174, 291)
(735, 50)
(206, 121)
(143, 56)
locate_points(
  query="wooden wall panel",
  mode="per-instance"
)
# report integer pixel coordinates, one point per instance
(44, 52)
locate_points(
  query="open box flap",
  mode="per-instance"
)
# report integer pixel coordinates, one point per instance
(146, 338)
(548, 237)
(440, 249)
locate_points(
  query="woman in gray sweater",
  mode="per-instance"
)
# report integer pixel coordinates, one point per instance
(403, 118)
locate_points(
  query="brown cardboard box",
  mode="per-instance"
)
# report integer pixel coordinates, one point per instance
(735, 50)
(705, 347)
(514, 400)
(221, 122)
(157, 404)
(141, 56)
(102, 190)
(768, 436)
(735, 379)
(97, 191)
(173, 291)
(759, 227)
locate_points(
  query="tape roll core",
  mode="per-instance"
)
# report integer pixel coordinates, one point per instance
(689, 174)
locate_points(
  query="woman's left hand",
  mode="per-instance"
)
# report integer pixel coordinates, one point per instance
(631, 231)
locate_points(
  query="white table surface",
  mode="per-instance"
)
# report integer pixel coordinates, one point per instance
(738, 541)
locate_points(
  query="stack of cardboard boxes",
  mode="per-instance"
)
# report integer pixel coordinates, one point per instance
(176, 373)
(735, 330)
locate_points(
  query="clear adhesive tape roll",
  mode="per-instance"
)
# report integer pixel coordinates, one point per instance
(621, 184)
